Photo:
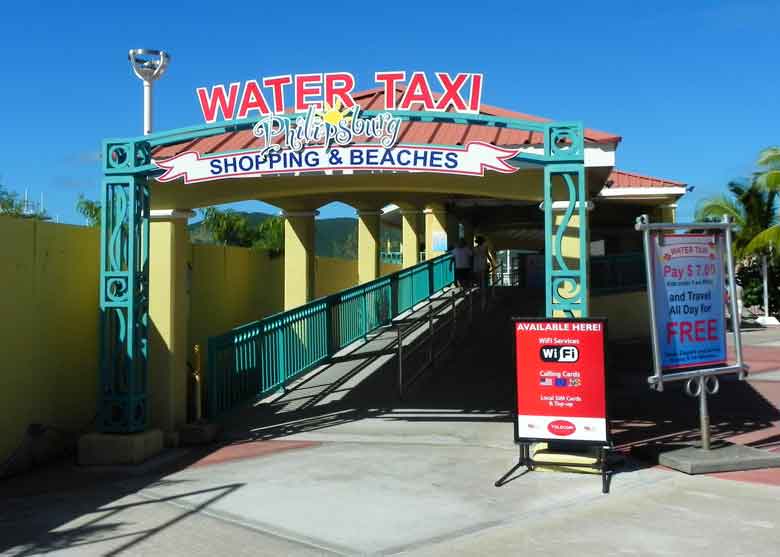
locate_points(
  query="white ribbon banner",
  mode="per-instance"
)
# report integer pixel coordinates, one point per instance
(471, 160)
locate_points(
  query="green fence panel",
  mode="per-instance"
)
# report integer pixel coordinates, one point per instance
(261, 357)
(443, 273)
(617, 273)
(413, 286)
(362, 309)
(392, 257)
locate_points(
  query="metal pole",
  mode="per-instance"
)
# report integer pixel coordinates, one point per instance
(471, 304)
(430, 333)
(765, 273)
(735, 318)
(198, 385)
(704, 414)
(148, 65)
(454, 316)
(647, 239)
(400, 363)
(147, 107)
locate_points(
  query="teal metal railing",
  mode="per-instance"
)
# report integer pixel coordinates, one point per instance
(392, 257)
(261, 357)
(617, 273)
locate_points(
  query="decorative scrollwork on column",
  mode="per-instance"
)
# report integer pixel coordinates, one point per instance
(125, 157)
(124, 303)
(565, 142)
(566, 253)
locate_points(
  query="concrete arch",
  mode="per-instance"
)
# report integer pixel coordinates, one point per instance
(307, 192)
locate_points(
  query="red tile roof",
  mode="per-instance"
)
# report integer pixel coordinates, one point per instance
(439, 133)
(622, 179)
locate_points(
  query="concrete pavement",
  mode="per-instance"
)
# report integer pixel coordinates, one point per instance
(362, 498)
(360, 472)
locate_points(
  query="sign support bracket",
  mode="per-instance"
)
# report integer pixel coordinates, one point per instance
(525, 459)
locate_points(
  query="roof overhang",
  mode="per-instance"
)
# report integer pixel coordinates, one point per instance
(646, 193)
(596, 154)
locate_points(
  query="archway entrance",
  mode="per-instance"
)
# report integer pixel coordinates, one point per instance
(441, 161)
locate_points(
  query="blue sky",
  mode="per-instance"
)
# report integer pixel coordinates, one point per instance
(692, 87)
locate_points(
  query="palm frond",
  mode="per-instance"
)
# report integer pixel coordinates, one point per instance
(761, 242)
(769, 180)
(716, 207)
(769, 157)
(738, 188)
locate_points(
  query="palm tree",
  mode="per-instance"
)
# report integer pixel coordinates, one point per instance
(769, 161)
(753, 212)
(768, 178)
(89, 209)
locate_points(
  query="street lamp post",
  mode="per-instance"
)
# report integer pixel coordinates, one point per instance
(766, 285)
(148, 65)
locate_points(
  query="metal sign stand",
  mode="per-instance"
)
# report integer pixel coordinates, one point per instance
(704, 381)
(525, 459)
(603, 447)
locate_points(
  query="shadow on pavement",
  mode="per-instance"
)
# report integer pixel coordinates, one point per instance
(642, 417)
(473, 383)
(62, 506)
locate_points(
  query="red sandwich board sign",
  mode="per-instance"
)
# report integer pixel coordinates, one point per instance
(560, 380)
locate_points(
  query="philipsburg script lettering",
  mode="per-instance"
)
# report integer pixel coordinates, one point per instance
(313, 128)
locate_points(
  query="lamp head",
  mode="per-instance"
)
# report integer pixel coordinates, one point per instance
(147, 64)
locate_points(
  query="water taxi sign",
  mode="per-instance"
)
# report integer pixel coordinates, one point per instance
(328, 92)
(324, 130)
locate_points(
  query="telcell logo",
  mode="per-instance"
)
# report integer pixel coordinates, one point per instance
(561, 428)
(565, 354)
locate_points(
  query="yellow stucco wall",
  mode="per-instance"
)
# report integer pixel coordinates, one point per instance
(334, 274)
(628, 314)
(368, 246)
(50, 317)
(412, 234)
(435, 223)
(49, 327)
(169, 255)
(387, 268)
(299, 265)
(231, 286)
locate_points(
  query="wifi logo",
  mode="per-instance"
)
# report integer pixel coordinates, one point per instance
(560, 354)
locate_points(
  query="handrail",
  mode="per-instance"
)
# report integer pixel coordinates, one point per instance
(261, 357)
(623, 272)
(446, 315)
(391, 257)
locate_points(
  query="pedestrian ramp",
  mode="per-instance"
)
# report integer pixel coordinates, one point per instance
(380, 372)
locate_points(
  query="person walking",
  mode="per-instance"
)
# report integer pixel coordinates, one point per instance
(463, 260)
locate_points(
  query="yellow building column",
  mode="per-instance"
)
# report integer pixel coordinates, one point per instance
(435, 230)
(298, 257)
(410, 237)
(665, 213)
(368, 245)
(169, 308)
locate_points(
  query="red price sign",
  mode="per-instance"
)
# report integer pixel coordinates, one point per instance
(560, 376)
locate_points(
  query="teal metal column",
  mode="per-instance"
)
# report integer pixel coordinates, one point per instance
(566, 281)
(124, 291)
